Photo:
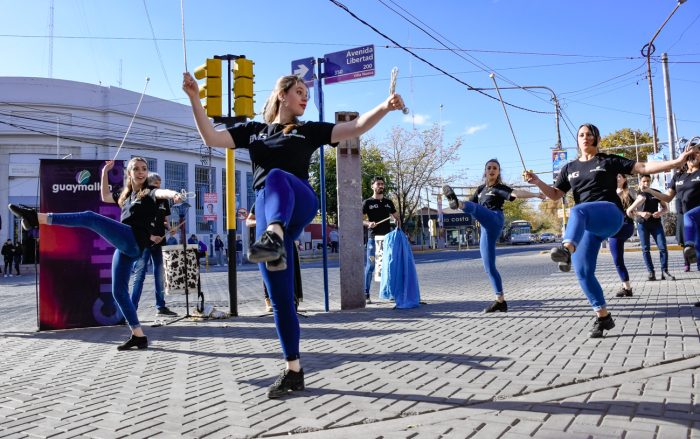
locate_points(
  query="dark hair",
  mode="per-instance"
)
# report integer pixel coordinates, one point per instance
(594, 129)
(377, 178)
(499, 179)
(645, 176)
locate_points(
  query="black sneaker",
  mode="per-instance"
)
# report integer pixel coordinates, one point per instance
(165, 311)
(600, 324)
(287, 382)
(30, 219)
(652, 276)
(269, 247)
(368, 299)
(451, 197)
(697, 304)
(278, 264)
(667, 275)
(690, 254)
(562, 257)
(624, 292)
(497, 306)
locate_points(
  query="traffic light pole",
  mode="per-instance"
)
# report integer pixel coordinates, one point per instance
(322, 167)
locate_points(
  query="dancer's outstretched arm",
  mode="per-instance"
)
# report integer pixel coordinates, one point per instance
(105, 193)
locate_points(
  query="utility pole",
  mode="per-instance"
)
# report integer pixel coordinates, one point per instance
(669, 110)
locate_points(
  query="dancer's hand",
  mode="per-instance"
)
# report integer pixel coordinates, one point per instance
(394, 102)
(541, 196)
(657, 214)
(531, 177)
(371, 225)
(109, 164)
(189, 85)
(178, 197)
(156, 239)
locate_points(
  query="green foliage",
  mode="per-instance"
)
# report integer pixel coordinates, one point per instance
(626, 137)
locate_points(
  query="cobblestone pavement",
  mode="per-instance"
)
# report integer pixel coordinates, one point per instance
(442, 370)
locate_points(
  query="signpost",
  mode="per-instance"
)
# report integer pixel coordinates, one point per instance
(349, 64)
(338, 67)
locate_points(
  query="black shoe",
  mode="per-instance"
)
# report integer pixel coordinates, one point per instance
(278, 264)
(652, 275)
(497, 306)
(368, 299)
(697, 304)
(269, 247)
(451, 197)
(134, 342)
(690, 254)
(287, 382)
(667, 275)
(600, 324)
(165, 311)
(624, 292)
(562, 257)
(30, 219)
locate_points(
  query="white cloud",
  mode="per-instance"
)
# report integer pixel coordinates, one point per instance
(475, 128)
(417, 119)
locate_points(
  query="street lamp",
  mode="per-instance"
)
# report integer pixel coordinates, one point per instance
(647, 50)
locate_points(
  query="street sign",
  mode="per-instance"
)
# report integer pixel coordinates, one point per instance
(304, 68)
(241, 213)
(348, 64)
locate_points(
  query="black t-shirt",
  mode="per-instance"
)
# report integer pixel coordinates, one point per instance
(141, 215)
(493, 197)
(687, 187)
(651, 205)
(270, 148)
(595, 179)
(378, 210)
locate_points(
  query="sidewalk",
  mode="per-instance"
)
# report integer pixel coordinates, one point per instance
(442, 370)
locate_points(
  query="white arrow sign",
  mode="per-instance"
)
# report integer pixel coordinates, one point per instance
(301, 70)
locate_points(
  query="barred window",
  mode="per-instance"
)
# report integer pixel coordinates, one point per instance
(201, 186)
(175, 178)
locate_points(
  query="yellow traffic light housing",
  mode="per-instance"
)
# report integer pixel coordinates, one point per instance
(211, 90)
(243, 88)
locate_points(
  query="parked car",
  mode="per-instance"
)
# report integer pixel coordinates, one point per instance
(522, 238)
(548, 237)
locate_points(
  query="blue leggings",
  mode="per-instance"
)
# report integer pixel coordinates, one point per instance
(590, 224)
(291, 202)
(491, 223)
(690, 226)
(127, 251)
(617, 249)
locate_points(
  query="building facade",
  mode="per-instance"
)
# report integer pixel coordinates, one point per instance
(43, 118)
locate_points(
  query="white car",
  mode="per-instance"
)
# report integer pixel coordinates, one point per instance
(547, 237)
(522, 238)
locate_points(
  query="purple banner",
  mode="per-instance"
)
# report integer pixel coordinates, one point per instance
(75, 282)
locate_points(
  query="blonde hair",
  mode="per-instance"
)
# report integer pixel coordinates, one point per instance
(128, 186)
(624, 194)
(272, 105)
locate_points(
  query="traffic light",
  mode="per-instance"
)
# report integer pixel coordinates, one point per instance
(210, 91)
(243, 88)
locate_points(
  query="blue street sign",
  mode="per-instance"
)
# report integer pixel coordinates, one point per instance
(304, 68)
(348, 64)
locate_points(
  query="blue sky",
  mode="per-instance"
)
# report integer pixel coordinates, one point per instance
(588, 52)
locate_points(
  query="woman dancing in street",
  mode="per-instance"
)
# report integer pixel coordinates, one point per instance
(486, 206)
(647, 211)
(281, 150)
(617, 241)
(130, 237)
(598, 212)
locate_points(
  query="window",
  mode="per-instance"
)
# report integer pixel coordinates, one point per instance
(250, 191)
(175, 178)
(201, 186)
(152, 163)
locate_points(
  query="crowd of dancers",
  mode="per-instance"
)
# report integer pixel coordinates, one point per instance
(280, 149)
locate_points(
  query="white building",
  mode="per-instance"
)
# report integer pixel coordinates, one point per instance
(53, 118)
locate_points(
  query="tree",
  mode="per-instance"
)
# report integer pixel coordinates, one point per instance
(413, 159)
(626, 137)
(371, 164)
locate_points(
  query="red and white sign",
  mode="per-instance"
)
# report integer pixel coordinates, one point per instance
(211, 197)
(241, 213)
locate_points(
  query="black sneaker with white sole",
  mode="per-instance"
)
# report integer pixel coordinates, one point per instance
(270, 247)
(601, 324)
(286, 383)
(278, 264)
(30, 219)
(562, 257)
(451, 197)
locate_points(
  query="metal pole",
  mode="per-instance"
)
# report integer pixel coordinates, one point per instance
(322, 172)
(669, 109)
(231, 222)
(649, 49)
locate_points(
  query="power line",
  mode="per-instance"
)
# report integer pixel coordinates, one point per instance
(155, 43)
(469, 87)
